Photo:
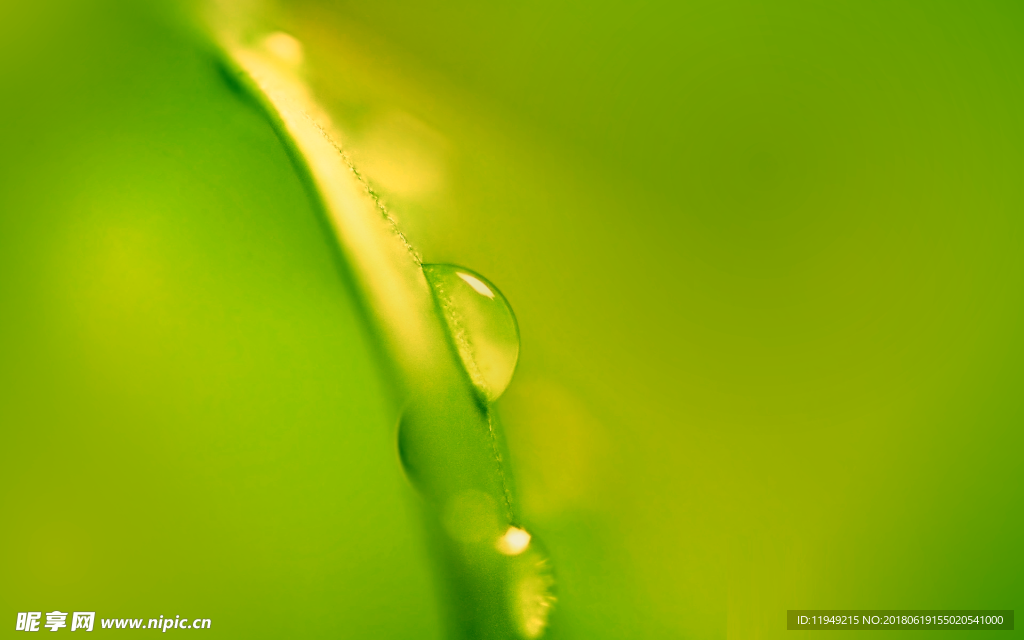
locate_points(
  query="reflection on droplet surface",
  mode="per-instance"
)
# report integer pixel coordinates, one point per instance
(514, 541)
(477, 285)
(481, 324)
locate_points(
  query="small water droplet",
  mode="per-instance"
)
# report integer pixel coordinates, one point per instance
(481, 324)
(514, 541)
(533, 596)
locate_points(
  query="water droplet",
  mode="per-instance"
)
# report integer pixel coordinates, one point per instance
(532, 595)
(481, 324)
(514, 541)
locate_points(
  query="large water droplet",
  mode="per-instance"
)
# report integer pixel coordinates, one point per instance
(481, 324)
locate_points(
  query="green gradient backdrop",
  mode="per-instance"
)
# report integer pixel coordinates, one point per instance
(767, 263)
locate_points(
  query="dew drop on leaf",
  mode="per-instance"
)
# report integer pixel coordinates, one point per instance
(481, 324)
(532, 592)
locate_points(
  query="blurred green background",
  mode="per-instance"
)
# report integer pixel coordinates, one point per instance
(767, 261)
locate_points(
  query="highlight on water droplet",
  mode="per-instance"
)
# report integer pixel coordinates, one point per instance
(514, 541)
(481, 324)
(478, 285)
